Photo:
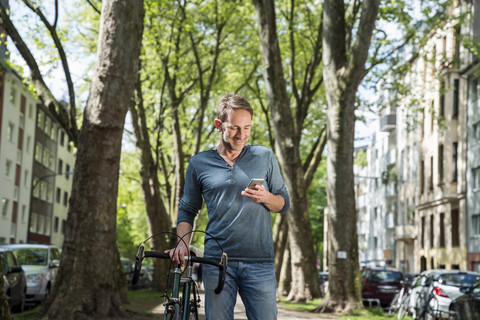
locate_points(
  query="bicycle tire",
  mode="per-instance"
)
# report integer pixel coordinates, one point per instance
(173, 312)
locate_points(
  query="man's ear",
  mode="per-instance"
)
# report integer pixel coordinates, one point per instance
(218, 125)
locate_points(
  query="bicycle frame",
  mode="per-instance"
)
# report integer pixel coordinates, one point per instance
(189, 307)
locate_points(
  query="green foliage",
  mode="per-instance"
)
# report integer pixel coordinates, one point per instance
(361, 159)
(317, 202)
(132, 225)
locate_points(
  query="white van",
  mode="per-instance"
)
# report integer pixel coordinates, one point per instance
(40, 263)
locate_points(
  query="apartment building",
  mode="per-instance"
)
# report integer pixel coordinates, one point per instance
(17, 134)
(472, 145)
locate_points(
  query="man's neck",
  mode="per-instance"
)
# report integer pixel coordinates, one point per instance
(226, 153)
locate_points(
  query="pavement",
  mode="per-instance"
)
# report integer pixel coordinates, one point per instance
(239, 312)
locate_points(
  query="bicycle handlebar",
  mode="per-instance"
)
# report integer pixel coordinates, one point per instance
(222, 265)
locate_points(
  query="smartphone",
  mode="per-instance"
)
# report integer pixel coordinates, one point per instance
(254, 182)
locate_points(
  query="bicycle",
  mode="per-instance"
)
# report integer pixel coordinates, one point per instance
(186, 306)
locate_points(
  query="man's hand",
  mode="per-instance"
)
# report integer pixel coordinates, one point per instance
(181, 251)
(259, 194)
(178, 253)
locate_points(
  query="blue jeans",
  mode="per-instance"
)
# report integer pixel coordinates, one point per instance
(255, 282)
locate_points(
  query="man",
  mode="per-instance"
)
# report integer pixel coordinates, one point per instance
(239, 217)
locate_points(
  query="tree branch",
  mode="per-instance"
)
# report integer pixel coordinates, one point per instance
(42, 89)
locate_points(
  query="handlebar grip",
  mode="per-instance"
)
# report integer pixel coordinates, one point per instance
(138, 264)
(221, 275)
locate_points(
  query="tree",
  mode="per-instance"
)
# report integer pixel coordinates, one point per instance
(343, 68)
(4, 307)
(288, 132)
(88, 284)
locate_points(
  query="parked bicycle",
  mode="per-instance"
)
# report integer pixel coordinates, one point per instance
(184, 306)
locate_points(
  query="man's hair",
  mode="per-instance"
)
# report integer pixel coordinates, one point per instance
(232, 101)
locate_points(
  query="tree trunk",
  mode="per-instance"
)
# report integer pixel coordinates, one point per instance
(304, 271)
(158, 218)
(285, 274)
(280, 236)
(88, 284)
(343, 71)
(4, 307)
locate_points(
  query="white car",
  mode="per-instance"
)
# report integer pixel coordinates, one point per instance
(442, 286)
(40, 263)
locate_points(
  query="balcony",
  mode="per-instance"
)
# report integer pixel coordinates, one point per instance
(388, 123)
(405, 232)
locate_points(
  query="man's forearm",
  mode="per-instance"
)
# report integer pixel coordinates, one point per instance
(182, 229)
(275, 203)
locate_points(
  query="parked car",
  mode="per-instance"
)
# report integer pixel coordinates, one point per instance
(467, 306)
(443, 285)
(14, 278)
(380, 285)
(40, 263)
(323, 280)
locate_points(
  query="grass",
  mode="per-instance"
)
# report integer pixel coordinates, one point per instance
(359, 314)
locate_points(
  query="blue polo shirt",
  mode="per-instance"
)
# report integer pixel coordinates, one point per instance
(242, 227)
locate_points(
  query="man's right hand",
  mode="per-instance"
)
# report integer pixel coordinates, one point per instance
(178, 253)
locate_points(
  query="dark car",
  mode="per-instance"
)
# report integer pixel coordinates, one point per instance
(380, 285)
(467, 306)
(14, 278)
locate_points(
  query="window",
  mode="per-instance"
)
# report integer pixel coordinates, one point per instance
(375, 242)
(60, 166)
(422, 176)
(440, 164)
(38, 152)
(59, 195)
(26, 178)
(455, 229)
(8, 168)
(40, 121)
(62, 138)
(476, 178)
(476, 131)
(24, 210)
(4, 207)
(442, 99)
(476, 224)
(33, 223)
(432, 236)
(10, 131)
(47, 125)
(67, 169)
(13, 96)
(455, 161)
(63, 226)
(456, 91)
(65, 198)
(45, 157)
(55, 225)
(442, 230)
(430, 178)
(29, 143)
(423, 233)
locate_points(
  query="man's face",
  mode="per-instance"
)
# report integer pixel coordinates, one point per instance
(236, 129)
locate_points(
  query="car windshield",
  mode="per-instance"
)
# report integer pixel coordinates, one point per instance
(458, 279)
(386, 275)
(31, 256)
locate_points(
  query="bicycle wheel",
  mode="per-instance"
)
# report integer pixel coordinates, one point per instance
(172, 312)
(395, 304)
(403, 309)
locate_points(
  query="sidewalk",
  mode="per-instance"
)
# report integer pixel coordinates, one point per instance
(239, 312)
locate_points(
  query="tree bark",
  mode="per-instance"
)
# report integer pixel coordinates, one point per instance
(158, 218)
(4, 307)
(304, 271)
(344, 68)
(87, 285)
